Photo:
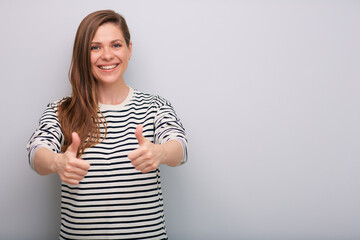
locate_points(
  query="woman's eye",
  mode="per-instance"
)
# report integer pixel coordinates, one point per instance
(117, 45)
(94, 48)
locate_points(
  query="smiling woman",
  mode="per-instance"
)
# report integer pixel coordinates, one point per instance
(107, 140)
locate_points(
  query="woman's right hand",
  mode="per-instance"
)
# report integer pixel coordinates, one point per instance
(70, 168)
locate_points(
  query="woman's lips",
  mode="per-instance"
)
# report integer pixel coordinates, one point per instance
(108, 67)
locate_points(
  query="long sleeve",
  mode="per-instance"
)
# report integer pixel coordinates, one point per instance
(47, 135)
(168, 127)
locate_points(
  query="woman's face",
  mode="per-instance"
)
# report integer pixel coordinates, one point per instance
(109, 54)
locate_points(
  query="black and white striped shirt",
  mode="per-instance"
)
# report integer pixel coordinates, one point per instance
(114, 200)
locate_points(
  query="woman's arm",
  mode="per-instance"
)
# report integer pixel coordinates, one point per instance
(44, 161)
(173, 153)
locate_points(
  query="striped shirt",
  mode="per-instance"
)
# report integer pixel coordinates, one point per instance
(114, 200)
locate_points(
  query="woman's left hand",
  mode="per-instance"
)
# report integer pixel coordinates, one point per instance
(148, 156)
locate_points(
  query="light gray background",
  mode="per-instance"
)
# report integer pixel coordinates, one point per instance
(268, 92)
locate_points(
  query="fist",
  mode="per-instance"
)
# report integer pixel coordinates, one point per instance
(148, 156)
(70, 168)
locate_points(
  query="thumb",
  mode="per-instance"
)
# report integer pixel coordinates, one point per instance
(139, 134)
(75, 144)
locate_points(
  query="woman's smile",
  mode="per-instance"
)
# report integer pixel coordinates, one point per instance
(108, 67)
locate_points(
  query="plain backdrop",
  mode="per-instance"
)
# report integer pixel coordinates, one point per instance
(268, 92)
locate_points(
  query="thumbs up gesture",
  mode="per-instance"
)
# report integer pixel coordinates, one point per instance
(148, 156)
(70, 168)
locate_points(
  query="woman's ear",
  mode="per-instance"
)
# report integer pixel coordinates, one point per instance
(130, 49)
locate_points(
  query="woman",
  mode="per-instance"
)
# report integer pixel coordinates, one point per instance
(107, 140)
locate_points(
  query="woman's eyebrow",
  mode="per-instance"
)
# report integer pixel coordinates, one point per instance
(116, 40)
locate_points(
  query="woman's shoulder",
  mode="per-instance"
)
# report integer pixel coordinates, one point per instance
(150, 98)
(53, 106)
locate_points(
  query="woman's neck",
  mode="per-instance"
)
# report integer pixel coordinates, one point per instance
(113, 94)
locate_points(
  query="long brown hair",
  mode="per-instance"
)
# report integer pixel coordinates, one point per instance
(80, 112)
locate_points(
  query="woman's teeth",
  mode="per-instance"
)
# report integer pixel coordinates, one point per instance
(108, 67)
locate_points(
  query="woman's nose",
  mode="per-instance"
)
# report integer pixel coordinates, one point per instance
(107, 54)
